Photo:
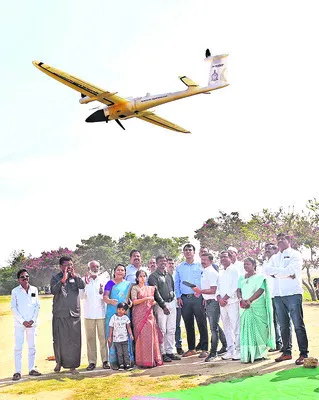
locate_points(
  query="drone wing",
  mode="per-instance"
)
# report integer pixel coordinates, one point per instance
(85, 88)
(148, 116)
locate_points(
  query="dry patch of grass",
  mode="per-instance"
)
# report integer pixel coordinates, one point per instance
(117, 386)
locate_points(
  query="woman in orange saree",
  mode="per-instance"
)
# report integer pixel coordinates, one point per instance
(146, 331)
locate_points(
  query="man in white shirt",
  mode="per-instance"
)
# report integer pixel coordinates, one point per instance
(178, 333)
(285, 267)
(208, 289)
(239, 265)
(271, 250)
(94, 315)
(229, 306)
(25, 307)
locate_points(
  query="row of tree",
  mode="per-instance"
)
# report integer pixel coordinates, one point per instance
(217, 233)
(100, 247)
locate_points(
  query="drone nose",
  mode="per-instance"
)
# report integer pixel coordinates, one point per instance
(97, 116)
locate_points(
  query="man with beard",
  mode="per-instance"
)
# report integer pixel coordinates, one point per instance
(66, 321)
(94, 314)
(286, 267)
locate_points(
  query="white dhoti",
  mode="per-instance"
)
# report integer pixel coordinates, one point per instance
(167, 325)
(231, 323)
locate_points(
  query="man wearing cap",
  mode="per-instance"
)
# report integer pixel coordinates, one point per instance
(239, 265)
(286, 267)
(94, 314)
(25, 307)
(191, 303)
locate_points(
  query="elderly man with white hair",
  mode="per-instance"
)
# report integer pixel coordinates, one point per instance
(239, 265)
(94, 314)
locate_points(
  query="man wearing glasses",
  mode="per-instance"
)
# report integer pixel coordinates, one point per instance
(191, 303)
(25, 307)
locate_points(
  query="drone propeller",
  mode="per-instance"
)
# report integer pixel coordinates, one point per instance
(119, 122)
(99, 116)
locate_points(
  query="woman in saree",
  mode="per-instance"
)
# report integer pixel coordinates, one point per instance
(256, 319)
(146, 331)
(117, 291)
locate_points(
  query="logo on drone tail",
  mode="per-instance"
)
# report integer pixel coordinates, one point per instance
(215, 76)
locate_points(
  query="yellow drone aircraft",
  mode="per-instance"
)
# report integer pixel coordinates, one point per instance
(119, 108)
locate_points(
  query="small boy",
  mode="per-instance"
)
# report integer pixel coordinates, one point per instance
(120, 327)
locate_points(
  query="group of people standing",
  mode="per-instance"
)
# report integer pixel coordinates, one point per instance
(136, 316)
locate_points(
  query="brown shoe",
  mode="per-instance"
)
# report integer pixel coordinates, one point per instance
(189, 353)
(203, 354)
(283, 357)
(300, 360)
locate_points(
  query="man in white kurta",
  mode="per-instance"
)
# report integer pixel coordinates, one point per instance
(94, 315)
(229, 306)
(25, 307)
(286, 267)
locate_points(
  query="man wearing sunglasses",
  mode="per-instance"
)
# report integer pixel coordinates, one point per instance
(25, 307)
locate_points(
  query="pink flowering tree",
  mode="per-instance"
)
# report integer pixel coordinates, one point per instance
(42, 268)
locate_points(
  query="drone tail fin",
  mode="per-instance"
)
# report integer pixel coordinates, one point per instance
(218, 71)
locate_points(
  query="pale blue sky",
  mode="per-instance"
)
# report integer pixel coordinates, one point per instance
(253, 144)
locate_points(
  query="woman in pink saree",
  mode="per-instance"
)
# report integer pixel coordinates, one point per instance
(146, 332)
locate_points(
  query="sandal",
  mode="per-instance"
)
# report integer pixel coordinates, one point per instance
(16, 376)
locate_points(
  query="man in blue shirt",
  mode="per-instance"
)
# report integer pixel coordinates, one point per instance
(134, 266)
(190, 302)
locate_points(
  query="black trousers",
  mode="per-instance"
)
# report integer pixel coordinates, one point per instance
(193, 307)
(123, 356)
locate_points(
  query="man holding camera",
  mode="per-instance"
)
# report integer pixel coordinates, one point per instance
(25, 307)
(66, 321)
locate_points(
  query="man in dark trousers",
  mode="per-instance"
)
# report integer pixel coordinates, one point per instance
(66, 321)
(190, 302)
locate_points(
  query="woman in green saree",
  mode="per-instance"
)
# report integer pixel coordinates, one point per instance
(256, 319)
